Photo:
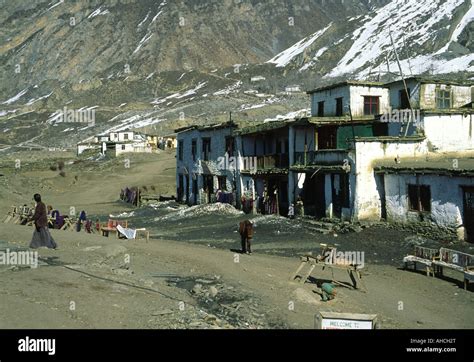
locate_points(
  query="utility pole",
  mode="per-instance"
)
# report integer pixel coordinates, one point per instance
(404, 82)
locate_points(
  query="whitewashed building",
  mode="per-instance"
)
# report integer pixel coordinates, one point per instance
(350, 159)
(205, 164)
(117, 143)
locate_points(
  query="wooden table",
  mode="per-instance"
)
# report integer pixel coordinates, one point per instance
(311, 262)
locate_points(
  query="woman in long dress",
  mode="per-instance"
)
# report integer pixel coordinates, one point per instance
(41, 235)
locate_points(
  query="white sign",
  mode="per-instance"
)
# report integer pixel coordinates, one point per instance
(330, 320)
(345, 324)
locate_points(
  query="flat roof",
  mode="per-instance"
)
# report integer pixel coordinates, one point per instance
(424, 79)
(335, 120)
(447, 164)
(206, 127)
(345, 83)
(264, 127)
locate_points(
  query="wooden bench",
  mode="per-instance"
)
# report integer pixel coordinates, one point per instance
(424, 256)
(435, 260)
(111, 226)
(458, 261)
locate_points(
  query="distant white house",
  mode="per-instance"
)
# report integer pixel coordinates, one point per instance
(257, 78)
(117, 143)
(293, 88)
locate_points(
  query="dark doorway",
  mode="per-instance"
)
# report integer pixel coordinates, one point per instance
(468, 213)
(336, 195)
(404, 98)
(380, 184)
(195, 191)
(208, 182)
(313, 195)
(339, 109)
(180, 188)
(321, 109)
(187, 189)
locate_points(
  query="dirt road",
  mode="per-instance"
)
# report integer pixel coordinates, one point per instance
(188, 275)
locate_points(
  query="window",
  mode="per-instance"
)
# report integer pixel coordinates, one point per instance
(344, 187)
(222, 182)
(339, 107)
(443, 98)
(419, 198)
(229, 146)
(180, 150)
(404, 98)
(125, 136)
(194, 149)
(206, 148)
(123, 147)
(321, 109)
(327, 138)
(371, 105)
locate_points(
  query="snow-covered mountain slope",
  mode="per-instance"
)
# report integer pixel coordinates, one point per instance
(428, 35)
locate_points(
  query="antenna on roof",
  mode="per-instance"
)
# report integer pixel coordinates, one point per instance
(408, 55)
(404, 83)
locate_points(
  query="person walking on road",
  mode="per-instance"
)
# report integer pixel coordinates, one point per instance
(41, 235)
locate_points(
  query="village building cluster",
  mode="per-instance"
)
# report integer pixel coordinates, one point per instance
(401, 151)
(116, 143)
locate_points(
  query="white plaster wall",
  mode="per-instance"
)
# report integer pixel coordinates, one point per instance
(367, 205)
(82, 148)
(120, 136)
(461, 95)
(446, 195)
(196, 167)
(119, 150)
(357, 98)
(329, 97)
(449, 132)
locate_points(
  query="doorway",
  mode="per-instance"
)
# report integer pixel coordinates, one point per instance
(468, 212)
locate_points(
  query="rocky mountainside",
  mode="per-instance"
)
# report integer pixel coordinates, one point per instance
(70, 41)
(158, 65)
(434, 36)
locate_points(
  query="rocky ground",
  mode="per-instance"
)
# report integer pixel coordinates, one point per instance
(190, 275)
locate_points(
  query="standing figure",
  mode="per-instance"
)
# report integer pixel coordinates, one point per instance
(246, 235)
(41, 235)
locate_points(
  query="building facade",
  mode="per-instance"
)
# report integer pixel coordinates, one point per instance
(330, 161)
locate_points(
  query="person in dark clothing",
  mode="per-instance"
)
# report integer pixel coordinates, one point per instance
(41, 235)
(246, 235)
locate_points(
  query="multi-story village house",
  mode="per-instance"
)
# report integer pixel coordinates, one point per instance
(402, 151)
(204, 164)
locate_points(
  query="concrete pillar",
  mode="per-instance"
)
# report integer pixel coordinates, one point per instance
(291, 157)
(328, 194)
(238, 164)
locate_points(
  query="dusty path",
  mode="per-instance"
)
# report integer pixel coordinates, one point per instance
(106, 294)
(90, 283)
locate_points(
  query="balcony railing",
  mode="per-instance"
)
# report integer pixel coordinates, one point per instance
(266, 162)
(321, 157)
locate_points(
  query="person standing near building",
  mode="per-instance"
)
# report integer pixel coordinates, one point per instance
(41, 235)
(246, 235)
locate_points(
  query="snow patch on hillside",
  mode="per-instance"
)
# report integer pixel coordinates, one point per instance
(16, 97)
(372, 40)
(98, 12)
(285, 57)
